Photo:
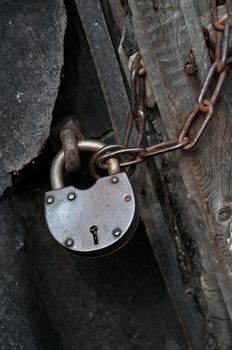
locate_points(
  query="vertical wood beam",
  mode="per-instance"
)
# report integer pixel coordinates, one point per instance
(106, 63)
(150, 209)
(166, 30)
(115, 95)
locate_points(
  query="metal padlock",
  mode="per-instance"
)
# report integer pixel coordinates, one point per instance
(95, 221)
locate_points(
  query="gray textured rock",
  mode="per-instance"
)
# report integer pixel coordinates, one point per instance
(24, 323)
(31, 41)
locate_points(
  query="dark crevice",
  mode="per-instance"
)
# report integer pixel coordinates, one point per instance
(80, 91)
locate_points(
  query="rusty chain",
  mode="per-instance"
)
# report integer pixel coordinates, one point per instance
(130, 156)
(203, 109)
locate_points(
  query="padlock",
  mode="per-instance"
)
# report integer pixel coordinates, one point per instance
(95, 221)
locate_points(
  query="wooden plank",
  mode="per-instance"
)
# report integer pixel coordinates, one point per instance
(118, 13)
(202, 6)
(165, 33)
(190, 319)
(164, 249)
(106, 62)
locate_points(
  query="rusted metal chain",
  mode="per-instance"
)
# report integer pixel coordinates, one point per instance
(136, 115)
(202, 112)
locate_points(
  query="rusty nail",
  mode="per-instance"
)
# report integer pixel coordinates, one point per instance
(190, 69)
(225, 213)
(191, 66)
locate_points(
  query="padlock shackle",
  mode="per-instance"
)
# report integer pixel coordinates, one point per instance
(57, 166)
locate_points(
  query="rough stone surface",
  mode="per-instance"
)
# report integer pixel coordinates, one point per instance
(30, 63)
(24, 323)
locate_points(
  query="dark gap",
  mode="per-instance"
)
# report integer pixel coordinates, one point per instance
(115, 35)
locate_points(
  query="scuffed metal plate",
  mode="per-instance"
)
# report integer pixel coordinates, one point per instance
(109, 206)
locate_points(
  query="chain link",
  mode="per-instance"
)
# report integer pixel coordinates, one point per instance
(203, 109)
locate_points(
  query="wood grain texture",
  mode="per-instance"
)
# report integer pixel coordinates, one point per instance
(106, 62)
(202, 6)
(117, 100)
(166, 31)
(163, 246)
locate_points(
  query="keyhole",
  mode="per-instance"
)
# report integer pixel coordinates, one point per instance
(93, 229)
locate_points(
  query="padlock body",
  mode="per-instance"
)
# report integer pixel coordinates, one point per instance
(95, 221)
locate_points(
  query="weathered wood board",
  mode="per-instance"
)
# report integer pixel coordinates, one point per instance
(166, 31)
(158, 231)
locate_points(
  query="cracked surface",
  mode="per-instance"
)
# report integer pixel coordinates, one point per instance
(31, 59)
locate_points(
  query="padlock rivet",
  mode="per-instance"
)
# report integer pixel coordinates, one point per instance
(117, 232)
(69, 242)
(127, 198)
(50, 200)
(71, 196)
(114, 179)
